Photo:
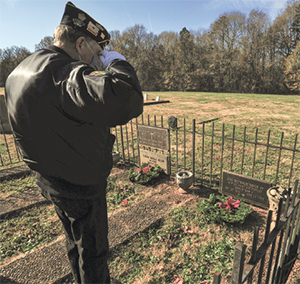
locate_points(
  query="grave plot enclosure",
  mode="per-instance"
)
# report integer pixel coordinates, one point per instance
(207, 149)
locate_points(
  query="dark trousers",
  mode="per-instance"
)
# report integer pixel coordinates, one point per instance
(85, 226)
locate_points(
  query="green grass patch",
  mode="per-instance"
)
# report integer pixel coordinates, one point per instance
(20, 184)
(181, 245)
(27, 230)
(275, 112)
(118, 192)
(3, 149)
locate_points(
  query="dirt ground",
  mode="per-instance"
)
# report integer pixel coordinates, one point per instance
(258, 217)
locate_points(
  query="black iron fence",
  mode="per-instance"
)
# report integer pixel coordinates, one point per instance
(9, 153)
(273, 261)
(207, 148)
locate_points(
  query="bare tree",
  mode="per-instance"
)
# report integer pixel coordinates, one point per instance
(292, 70)
(46, 41)
(9, 59)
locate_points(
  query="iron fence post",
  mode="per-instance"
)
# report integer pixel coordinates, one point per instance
(194, 143)
(238, 263)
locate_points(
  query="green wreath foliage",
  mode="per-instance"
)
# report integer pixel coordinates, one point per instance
(213, 212)
(146, 174)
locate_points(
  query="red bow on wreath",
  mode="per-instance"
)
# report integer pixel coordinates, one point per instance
(229, 204)
(144, 170)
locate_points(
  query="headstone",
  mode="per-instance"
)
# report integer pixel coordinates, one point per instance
(4, 122)
(153, 137)
(157, 98)
(154, 159)
(145, 97)
(172, 121)
(249, 189)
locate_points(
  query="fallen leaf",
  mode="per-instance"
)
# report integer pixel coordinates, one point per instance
(178, 280)
(189, 232)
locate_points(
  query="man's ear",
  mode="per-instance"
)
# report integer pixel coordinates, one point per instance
(79, 42)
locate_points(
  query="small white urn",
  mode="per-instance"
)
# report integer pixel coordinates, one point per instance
(184, 179)
(115, 156)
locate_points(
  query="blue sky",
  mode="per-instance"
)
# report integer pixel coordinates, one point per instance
(26, 22)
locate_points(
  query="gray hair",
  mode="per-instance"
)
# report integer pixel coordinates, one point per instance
(65, 34)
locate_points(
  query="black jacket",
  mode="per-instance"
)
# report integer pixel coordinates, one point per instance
(61, 111)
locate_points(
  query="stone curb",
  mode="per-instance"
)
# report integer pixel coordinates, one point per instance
(49, 264)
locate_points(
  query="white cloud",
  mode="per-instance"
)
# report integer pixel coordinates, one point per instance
(245, 3)
(272, 7)
(10, 3)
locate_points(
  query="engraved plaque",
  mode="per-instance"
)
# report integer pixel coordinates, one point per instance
(249, 189)
(154, 159)
(153, 137)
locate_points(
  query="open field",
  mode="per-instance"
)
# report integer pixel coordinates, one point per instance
(278, 113)
(266, 112)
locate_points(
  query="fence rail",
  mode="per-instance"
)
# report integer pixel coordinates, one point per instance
(211, 148)
(9, 153)
(273, 261)
(205, 148)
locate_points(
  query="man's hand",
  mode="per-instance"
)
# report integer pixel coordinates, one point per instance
(109, 56)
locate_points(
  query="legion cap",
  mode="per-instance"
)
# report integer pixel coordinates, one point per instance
(80, 20)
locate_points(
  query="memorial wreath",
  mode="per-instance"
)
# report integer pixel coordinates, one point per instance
(220, 209)
(146, 174)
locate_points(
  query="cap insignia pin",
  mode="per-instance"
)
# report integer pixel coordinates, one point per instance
(92, 29)
(78, 23)
(81, 16)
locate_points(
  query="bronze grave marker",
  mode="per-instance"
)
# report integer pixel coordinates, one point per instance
(249, 189)
(153, 137)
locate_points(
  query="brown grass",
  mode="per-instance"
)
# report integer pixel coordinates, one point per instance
(278, 113)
